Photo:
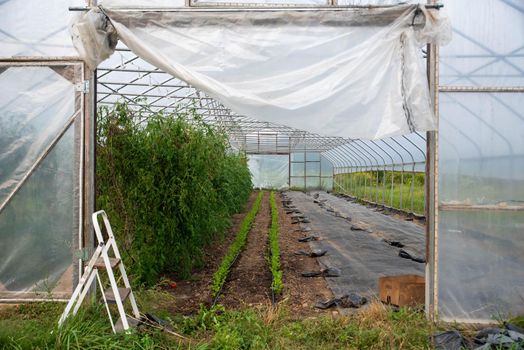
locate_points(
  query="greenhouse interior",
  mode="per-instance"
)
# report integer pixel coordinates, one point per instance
(278, 154)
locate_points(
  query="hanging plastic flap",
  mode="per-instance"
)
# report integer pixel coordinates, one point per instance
(350, 73)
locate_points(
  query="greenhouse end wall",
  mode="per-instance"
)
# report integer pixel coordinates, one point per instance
(302, 171)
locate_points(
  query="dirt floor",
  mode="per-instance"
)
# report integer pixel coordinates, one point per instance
(301, 293)
(249, 282)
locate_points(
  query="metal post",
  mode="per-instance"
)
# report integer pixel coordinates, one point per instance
(431, 207)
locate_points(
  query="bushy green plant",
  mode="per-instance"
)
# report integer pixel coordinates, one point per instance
(169, 185)
(219, 278)
(274, 258)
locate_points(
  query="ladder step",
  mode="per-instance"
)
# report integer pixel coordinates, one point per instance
(101, 265)
(110, 297)
(119, 326)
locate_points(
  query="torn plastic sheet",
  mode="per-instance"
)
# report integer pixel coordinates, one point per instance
(408, 255)
(327, 272)
(352, 73)
(449, 340)
(351, 300)
(314, 253)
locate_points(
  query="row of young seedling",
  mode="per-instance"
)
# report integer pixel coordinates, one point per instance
(274, 248)
(220, 276)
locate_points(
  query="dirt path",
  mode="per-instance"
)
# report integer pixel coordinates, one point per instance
(249, 281)
(301, 293)
(191, 293)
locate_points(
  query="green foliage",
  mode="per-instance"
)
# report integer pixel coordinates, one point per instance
(219, 278)
(517, 321)
(274, 259)
(169, 187)
(385, 187)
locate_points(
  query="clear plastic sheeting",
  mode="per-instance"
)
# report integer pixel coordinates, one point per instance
(481, 279)
(487, 47)
(378, 2)
(37, 230)
(483, 165)
(36, 28)
(35, 103)
(352, 73)
(481, 195)
(480, 240)
(142, 3)
(269, 171)
(259, 2)
(39, 128)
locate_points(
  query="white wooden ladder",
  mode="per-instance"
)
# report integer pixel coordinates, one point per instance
(114, 295)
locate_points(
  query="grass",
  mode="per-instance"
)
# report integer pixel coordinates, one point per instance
(274, 259)
(219, 278)
(33, 326)
(363, 185)
(375, 327)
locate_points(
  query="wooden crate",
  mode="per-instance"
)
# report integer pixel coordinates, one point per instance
(402, 290)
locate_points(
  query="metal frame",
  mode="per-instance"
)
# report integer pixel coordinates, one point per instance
(367, 159)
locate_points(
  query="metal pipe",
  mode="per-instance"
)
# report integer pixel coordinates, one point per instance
(253, 8)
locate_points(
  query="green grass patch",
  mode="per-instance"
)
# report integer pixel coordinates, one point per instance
(34, 326)
(375, 327)
(274, 247)
(169, 186)
(219, 278)
(391, 188)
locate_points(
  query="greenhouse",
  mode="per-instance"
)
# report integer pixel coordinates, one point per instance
(241, 147)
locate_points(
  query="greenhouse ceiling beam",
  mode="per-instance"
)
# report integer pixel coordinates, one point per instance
(160, 85)
(500, 89)
(121, 65)
(135, 80)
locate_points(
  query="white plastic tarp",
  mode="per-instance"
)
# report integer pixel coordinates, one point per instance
(350, 73)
